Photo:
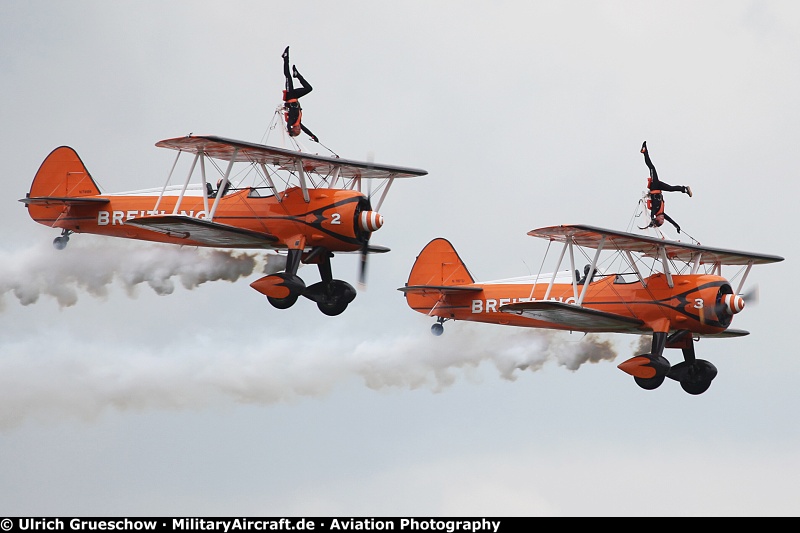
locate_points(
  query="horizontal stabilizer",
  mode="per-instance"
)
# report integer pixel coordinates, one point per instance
(204, 232)
(574, 317)
(63, 200)
(441, 289)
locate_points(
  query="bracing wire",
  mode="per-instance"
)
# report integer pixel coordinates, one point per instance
(536, 279)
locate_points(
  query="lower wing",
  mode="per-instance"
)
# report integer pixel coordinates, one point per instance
(574, 317)
(205, 232)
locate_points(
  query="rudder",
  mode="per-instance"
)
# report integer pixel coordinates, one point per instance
(439, 264)
(63, 175)
(437, 267)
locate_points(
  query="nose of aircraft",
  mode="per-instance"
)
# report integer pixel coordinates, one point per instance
(734, 303)
(370, 221)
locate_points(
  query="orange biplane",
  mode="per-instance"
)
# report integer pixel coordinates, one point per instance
(636, 284)
(306, 205)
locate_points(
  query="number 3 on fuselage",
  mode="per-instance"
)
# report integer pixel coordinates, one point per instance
(652, 286)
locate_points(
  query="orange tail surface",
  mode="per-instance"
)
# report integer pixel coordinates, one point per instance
(437, 267)
(61, 179)
(63, 175)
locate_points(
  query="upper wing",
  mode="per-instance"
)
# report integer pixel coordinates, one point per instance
(241, 151)
(574, 317)
(590, 237)
(204, 232)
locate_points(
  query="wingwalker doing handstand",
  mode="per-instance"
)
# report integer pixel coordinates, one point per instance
(293, 113)
(655, 188)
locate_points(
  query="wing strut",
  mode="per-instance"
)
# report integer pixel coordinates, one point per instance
(271, 183)
(204, 184)
(696, 262)
(335, 176)
(636, 268)
(744, 277)
(591, 269)
(298, 164)
(555, 272)
(169, 177)
(186, 183)
(223, 185)
(572, 269)
(662, 252)
(385, 192)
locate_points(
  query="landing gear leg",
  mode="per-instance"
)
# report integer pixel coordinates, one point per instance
(288, 279)
(649, 370)
(61, 242)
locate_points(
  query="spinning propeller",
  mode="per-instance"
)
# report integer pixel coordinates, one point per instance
(368, 221)
(729, 304)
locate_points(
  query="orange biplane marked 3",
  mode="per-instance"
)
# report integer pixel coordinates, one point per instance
(637, 284)
(306, 205)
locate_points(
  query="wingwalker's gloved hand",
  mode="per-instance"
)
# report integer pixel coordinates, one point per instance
(314, 138)
(678, 228)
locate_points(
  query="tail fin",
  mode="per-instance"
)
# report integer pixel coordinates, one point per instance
(61, 183)
(438, 264)
(438, 271)
(63, 175)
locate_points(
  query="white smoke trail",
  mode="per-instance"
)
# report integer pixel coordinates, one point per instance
(75, 377)
(92, 266)
(81, 380)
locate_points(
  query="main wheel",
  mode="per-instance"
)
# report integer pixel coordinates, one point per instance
(696, 387)
(437, 329)
(649, 383)
(695, 377)
(332, 308)
(282, 303)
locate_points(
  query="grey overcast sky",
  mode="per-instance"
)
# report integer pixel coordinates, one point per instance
(131, 385)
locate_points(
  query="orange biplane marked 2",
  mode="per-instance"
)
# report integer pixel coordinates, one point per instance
(637, 284)
(309, 206)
